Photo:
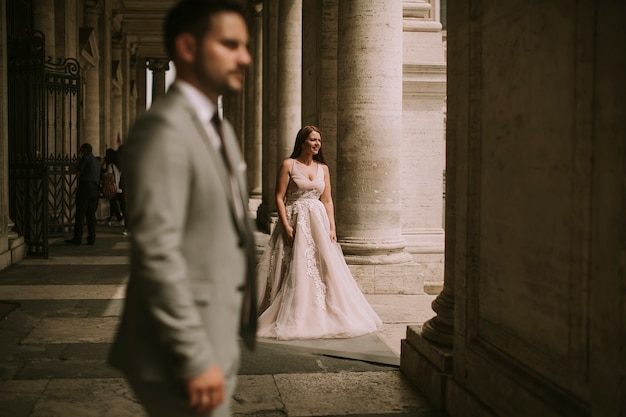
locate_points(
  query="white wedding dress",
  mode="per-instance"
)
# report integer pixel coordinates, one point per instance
(306, 291)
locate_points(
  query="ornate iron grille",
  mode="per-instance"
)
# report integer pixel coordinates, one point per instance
(44, 101)
(62, 81)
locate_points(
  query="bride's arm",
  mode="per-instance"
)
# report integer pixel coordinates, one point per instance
(327, 199)
(282, 181)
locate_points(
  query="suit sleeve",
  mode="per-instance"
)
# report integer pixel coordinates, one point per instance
(157, 169)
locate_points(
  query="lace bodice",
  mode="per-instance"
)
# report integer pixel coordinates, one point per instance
(301, 187)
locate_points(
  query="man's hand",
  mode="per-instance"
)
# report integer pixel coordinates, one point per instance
(206, 390)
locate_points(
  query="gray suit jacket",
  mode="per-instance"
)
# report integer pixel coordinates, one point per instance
(187, 261)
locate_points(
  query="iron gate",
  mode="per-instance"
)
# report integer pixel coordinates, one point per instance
(44, 102)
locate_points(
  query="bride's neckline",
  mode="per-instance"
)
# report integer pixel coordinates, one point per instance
(304, 163)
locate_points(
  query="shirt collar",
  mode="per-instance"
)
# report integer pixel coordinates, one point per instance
(200, 102)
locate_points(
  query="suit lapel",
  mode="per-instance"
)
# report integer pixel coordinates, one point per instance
(225, 177)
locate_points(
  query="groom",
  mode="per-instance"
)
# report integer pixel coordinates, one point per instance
(192, 249)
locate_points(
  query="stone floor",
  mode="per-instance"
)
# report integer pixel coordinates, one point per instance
(58, 315)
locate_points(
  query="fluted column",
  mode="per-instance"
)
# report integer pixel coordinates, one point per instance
(319, 80)
(369, 73)
(126, 74)
(158, 68)
(265, 211)
(117, 84)
(66, 28)
(140, 85)
(91, 100)
(5, 221)
(90, 61)
(289, 74)
(254, 115)
(44, 21)
(104, 37)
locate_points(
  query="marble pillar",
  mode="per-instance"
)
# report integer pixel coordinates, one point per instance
(90, 67)
(106, 75)
(289, 74)
(319, 79)
(44, 21)
(369, 91)
(424, 93)
(126, 75)
(140, 85)
(254, 115)
(158, 68)
(91, 106)
(66, 28)
(117, 84)
(5, 254)
(266, 216)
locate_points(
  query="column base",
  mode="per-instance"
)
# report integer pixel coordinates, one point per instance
(265, 221)
(427, 247)
(427, 366)
(18, 249)
(5, 259)
(400, 278)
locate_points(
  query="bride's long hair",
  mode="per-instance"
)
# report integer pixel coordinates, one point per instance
(303, 135)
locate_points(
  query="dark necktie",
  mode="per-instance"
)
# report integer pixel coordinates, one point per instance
(248, 318)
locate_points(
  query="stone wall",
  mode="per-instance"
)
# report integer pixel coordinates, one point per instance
(535, 131)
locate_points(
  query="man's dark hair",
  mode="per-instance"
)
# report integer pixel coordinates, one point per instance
(86, 148)
(194, 16)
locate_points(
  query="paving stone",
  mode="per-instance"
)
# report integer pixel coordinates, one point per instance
(89, 257)
(257, 394)
(103, 308)
(60, 369)
(88, 398)
(88, 351)
(62, 292)
(17, 398)
(73, 330)
(348, 393)
(33, 274)
(281, 359)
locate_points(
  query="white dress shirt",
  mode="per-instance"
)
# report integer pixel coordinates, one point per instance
(204, 108)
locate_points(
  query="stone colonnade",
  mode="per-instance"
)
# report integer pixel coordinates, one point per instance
(356, 69)
(372, 77)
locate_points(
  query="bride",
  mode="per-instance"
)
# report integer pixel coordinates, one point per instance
(306, 290)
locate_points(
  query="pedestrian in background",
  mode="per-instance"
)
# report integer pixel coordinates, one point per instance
(88, 181)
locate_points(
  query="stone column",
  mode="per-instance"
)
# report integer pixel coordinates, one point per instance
(126, 74)
(117, 84)
(91, 107)
(319, 81)
(104, 37)
(254, 115)
(369, 94)
(44, 21)
(140, 85)
(66, 29)
(289, 74)
(5, 253)
(266, 213)
(90, 66)
(158, 68)
(132, 91)
(424, 93)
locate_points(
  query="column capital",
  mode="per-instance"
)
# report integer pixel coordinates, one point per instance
(158, 64)
(94, 6)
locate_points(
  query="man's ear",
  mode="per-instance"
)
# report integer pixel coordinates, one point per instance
(185, 45)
